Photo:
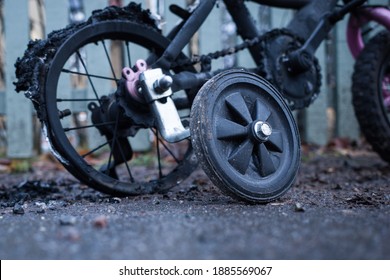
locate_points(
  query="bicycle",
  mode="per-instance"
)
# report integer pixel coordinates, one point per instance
(236, 122)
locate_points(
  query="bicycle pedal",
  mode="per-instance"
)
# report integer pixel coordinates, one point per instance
(156, 88)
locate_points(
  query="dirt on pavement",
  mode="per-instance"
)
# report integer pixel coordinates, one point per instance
(339, 208)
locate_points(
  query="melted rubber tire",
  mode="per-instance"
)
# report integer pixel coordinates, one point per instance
(222, 120)
(371, 66)
(115, 29)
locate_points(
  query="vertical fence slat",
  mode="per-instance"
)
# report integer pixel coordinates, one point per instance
(346, 123)
(18, 108)
(315, 119)
(56, 15)
(2, 62)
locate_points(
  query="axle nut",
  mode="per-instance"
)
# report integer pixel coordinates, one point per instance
(163, 84)
(262, 130)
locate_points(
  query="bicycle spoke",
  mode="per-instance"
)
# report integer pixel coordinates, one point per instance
(88, 75)
(113, 143)
(95, 149)
(67, 129)
(109, 59)
(75, 99)
(128, 53)
(166, 148)
(125, 162)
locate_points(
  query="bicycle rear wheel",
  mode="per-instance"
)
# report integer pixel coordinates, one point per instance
(90, 124)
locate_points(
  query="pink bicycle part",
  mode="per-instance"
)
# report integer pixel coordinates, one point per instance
(380, 15)
(133, 77)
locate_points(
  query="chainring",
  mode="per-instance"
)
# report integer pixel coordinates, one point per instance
(299, 90)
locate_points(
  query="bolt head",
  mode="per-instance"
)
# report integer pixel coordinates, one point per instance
(262, 130)
(266, 129)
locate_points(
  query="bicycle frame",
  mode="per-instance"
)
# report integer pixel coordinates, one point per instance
(362, 16)
(313, 22)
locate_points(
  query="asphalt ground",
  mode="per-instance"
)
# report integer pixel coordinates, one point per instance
(339, 208)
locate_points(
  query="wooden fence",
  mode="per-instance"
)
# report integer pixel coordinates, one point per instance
(331, 115)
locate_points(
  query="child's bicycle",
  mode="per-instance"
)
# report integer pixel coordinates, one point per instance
(241, 128)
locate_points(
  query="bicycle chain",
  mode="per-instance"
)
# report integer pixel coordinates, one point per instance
(261, 69)
(248, 43)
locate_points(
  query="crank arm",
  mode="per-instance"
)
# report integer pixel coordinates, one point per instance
(300, 60)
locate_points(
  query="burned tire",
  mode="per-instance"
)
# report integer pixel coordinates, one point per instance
(105, 159)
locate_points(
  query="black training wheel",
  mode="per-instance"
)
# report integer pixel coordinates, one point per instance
(245, 136)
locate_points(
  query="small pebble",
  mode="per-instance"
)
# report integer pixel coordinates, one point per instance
(18, 209)
(337, 187)
(67, 220)
(115, 200)
(100, 221)
(299, 207)
(71, 234)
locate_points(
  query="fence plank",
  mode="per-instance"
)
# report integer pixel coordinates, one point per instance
(315, 121)
(2, 63)
(18, 108)
(346, 123)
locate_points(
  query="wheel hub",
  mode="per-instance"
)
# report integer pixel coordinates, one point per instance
(262, 131)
